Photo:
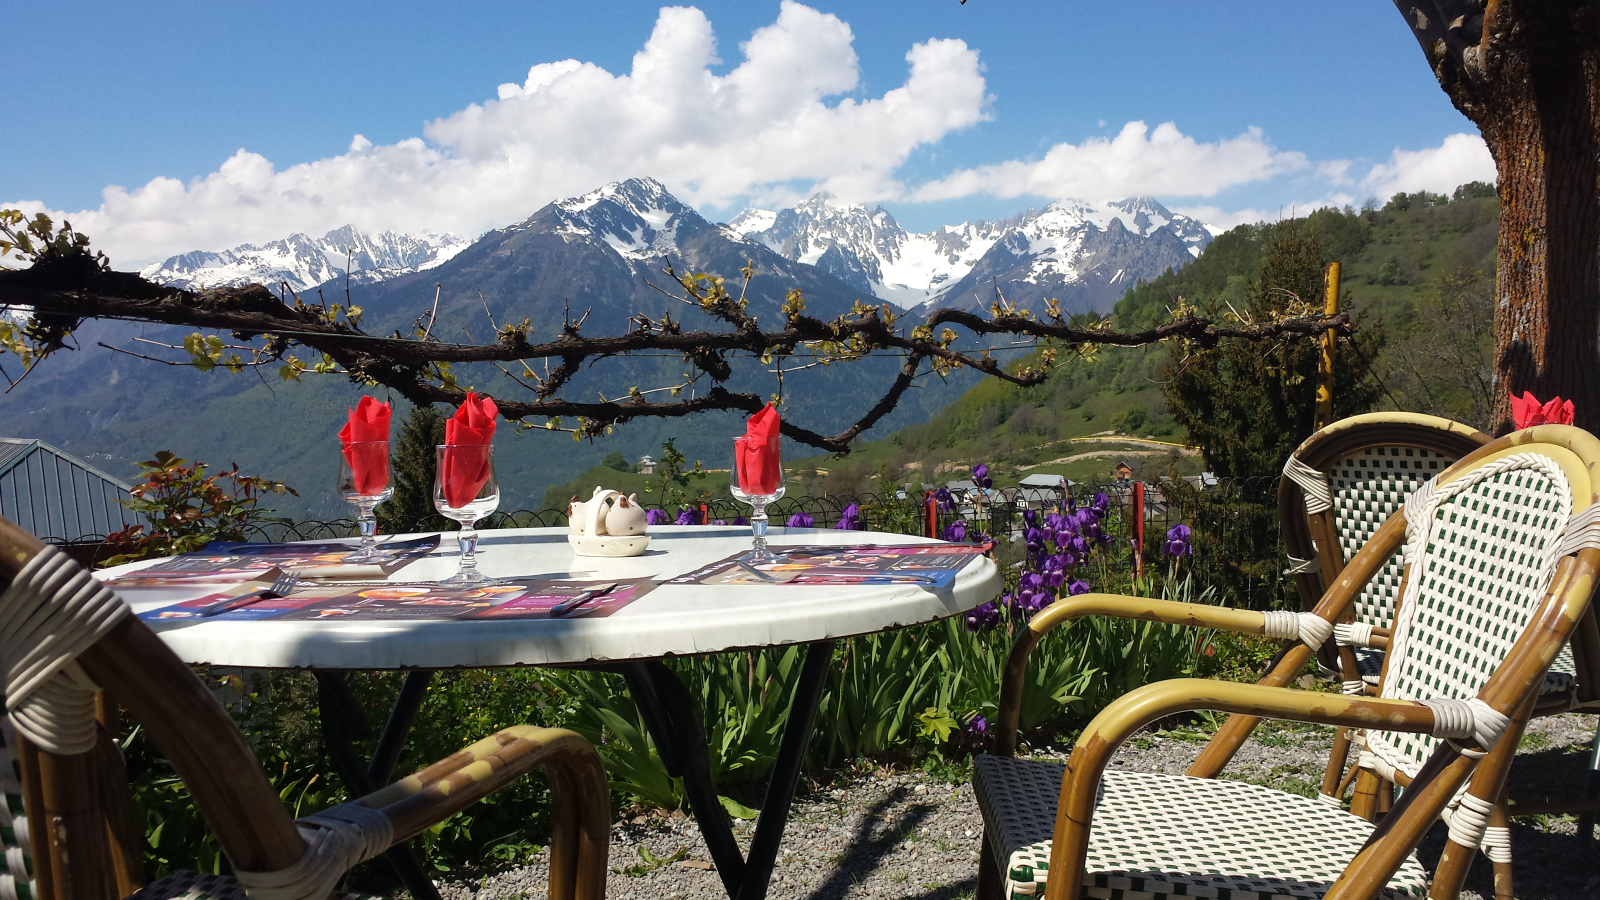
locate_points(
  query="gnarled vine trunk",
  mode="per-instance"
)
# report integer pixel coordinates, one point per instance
(1527, 72)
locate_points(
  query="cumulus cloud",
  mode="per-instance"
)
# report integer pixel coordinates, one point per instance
(1459, 159)
(1136, 161)
(777, 118)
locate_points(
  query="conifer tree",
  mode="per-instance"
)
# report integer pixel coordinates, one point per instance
(1248, 406)
(413, 462)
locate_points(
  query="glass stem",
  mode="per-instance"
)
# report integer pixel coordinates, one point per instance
(369, 530)
(467, 540)
(758, 527)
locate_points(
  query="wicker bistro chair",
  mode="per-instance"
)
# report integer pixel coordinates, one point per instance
(1501, 555)
(63, 634)
(1338, 487)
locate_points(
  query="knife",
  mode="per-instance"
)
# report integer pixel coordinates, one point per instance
(567, 607)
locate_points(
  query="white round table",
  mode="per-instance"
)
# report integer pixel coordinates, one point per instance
(671, 620)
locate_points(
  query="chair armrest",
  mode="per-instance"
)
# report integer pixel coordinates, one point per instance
(1171, 612)
(1127, 714)
(578, 786)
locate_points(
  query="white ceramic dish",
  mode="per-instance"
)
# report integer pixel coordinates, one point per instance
(608, 544)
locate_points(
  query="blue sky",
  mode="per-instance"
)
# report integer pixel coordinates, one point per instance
(1004, 105)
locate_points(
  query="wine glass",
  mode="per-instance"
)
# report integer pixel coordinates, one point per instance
(465, 475)
(366, 491)
(758, 518)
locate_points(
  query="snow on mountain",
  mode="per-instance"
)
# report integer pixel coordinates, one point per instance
(304, 261)
(1068, 243)
(638, 218)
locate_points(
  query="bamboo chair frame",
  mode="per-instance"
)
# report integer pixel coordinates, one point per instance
(1512, 689)
(87, 850)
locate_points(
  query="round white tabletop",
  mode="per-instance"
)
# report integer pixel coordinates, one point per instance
(670, 620)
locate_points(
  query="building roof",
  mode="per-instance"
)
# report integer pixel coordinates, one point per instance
(52, 494)
(1043, 480)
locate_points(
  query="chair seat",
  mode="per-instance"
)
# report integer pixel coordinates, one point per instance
(1560, 678)
(1158, 836)
(185, 885)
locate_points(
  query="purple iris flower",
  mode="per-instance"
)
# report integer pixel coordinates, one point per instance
(740, 520)
(801, 520)
(942, 497)
(1030, 516)
(1178, 541)
(1034, 538)
(983, 617)
(719, 522)
(977, 728)
(980, 476)
(956, 532)
(1101, 502)
(687, 516)
(656, 517)
(1078, 587)
(850, 519)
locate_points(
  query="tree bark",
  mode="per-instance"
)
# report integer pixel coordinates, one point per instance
(1527, 72)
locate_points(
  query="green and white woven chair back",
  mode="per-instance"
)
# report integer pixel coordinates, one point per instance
(1369, 486)
(16, 876)
(1483, 550)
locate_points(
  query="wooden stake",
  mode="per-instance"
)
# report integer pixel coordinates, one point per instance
(1325, 366)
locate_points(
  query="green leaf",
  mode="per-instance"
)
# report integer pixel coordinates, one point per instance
(735, 808)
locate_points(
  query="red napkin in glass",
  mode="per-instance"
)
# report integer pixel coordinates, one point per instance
(759, 463)
(369, 421)
(1527, 411)
(465, 471)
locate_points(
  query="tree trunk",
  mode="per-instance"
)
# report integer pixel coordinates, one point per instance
(1527, 72)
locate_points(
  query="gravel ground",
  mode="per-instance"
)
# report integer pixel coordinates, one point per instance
(885, 833)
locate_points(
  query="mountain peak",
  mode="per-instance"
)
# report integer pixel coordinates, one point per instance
(1064, 244)
(304, 261)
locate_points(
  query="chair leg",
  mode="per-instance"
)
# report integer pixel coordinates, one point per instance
(1333, 777)
(991, 885)
(1591, 791)
(1502, 865)
(1365, 801)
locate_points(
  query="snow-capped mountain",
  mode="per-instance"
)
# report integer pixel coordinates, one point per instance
(304, 261)
(638, 218)
(1085, 254)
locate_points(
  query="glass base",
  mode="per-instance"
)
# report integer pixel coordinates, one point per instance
(366, 555)
(470, 577)
(759, 556)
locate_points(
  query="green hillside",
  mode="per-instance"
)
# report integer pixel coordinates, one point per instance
(1421, 268)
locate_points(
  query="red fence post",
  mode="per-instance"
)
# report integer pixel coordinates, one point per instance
(930, 515)
(1138, 529)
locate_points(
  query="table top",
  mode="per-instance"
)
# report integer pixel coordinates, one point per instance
(670, 620)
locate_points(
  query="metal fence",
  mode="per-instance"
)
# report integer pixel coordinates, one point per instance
(1237, 544)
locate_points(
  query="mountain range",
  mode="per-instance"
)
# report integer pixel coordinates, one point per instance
(304, 262)
(1086, 255)
(597, 257)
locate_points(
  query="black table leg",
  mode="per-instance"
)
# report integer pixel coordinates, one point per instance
(673, 718)
(343, 726)
(785, 772)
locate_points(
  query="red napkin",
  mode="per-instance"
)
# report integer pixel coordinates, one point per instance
(369, 421)
(1527, 411)
(466, 470)
(759, 463)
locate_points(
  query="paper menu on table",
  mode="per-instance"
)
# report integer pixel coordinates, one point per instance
(328, 560)
(933, 565)
(508, 599)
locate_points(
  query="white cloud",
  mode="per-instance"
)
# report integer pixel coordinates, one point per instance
(572, 126)
(1459, 159)
(1219, 220)
(1136, 161)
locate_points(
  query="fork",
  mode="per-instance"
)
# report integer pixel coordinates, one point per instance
(283, 586)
